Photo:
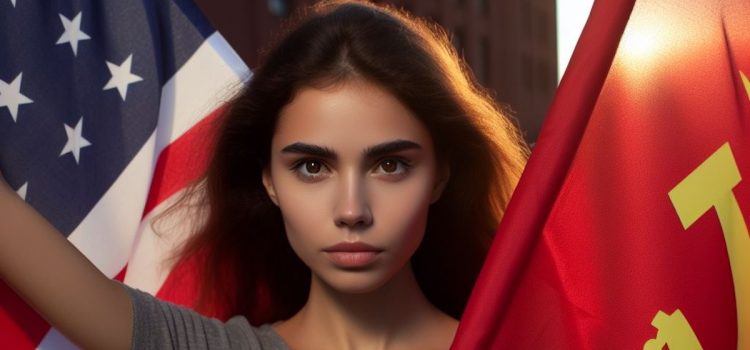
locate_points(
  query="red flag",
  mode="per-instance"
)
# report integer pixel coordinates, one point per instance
(629, 226)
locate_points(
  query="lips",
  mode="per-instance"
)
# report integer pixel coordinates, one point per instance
(352, 247)
(352, 255)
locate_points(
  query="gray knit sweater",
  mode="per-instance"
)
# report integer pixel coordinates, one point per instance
(162, 325)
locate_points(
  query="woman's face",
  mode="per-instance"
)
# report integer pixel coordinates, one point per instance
(351, 164)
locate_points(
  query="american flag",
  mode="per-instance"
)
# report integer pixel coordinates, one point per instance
(100, 102)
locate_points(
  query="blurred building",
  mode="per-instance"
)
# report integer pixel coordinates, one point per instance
(509, 44)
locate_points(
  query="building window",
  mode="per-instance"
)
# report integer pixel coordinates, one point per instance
(484, 61)
(527, 74)
(542, 78)
(482, 7)
(278, 8)
(526, 20)
(542, 28)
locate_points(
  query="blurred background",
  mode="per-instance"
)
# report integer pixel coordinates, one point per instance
(510, 45)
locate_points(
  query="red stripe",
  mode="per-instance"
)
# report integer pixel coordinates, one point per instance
(20, 327)
(121, 275)
(183, 161)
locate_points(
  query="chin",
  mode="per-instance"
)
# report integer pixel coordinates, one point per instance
(354, 281)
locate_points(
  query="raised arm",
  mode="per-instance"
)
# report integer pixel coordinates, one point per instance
(58, 281)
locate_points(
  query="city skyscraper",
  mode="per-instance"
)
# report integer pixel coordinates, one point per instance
(510, 45)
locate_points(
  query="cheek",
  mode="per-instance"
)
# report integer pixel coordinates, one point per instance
(303, 207)
(401, 213)
(304, 229)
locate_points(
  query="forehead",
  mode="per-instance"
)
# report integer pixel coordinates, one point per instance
(353, 114)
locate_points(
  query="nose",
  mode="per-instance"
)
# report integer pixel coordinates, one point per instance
(352, 207)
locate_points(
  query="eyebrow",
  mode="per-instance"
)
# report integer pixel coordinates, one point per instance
(385, 148)
(371, 152)
(308, 149)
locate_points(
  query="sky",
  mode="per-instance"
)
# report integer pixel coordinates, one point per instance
(571, 16)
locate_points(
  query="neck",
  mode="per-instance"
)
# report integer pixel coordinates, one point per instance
(391, 314)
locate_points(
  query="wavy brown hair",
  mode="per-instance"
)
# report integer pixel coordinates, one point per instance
(246, 265)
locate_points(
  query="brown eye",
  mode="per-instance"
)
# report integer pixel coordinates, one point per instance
(389, 166)
(312, 167)
(392, 169)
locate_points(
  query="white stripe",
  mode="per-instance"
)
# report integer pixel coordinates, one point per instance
(208, 79)
(107, 236)
(149, 266)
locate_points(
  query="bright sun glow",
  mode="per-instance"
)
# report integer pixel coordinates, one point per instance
(652, 39)
(640, 43)
(644, 41)
(648, 35)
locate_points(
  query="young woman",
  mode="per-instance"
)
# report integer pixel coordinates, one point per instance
(352, 194)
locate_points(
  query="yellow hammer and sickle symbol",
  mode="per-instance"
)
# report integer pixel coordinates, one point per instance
(710, 186)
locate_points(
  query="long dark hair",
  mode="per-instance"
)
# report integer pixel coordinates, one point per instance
(246, 264)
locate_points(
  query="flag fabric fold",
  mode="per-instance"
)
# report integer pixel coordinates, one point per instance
(99, 102)
(629, 226)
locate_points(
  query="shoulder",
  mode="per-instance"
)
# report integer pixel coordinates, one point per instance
(263, 337)
(160, 324)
